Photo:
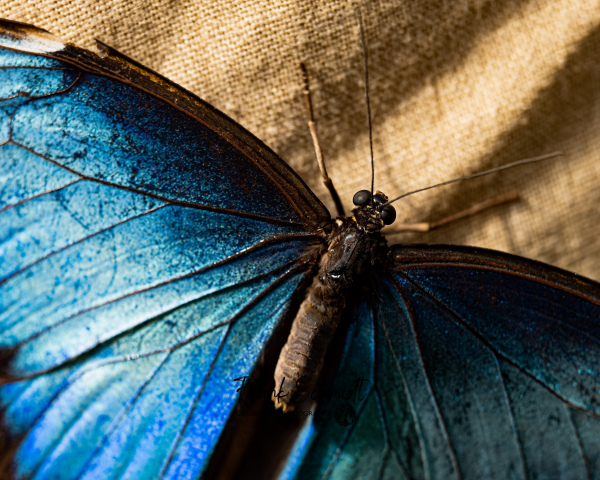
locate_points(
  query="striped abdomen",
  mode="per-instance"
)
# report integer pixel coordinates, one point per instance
(318, 318)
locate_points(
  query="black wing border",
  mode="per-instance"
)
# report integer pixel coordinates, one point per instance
(404, 257)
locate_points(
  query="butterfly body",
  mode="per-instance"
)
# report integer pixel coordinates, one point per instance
(354, 248)
(152, 250)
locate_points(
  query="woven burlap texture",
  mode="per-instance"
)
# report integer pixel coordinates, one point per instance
(455, 87)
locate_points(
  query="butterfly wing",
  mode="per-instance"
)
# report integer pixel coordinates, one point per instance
(149, 246)
(480, 365)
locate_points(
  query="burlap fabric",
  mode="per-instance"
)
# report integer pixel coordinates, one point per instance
(456, 87)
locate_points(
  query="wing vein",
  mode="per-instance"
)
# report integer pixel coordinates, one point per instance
(39, 194)
(254, 216)
(120, 416)
(345, 438)
(440, 418)
(462, 323)
(75, 418)
(57, 92)
(81, 240)
(584, 456)
(378, 394)
(513, 423)
(390, 448)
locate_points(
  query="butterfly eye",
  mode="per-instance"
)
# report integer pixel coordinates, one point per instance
(388, 214)
(361, 198)
(379, 200)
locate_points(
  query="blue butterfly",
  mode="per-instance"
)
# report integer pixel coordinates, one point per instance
(153, 254)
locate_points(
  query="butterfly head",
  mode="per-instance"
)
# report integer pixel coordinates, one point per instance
(371, 212)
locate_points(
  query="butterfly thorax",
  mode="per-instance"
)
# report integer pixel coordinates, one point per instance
(354, 248)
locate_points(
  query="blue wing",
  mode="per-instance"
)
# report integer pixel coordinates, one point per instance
(148, 248)
(467, 364)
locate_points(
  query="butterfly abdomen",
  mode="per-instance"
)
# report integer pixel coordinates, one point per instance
(350, 253)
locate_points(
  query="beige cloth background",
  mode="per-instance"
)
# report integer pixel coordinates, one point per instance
(456, 87)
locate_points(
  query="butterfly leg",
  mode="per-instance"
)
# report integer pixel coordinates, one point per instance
(473, 210)
(312, 126)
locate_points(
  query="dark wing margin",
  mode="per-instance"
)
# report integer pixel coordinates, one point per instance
(162, 130)
(479, 364)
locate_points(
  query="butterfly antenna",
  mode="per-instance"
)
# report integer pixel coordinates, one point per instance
(366, 65)
(481, 174)
(312, 126)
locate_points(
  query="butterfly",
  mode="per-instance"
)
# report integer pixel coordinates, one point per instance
(153, 255)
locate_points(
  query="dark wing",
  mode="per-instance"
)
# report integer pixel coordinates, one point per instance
(148, 248)
(474, 364)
